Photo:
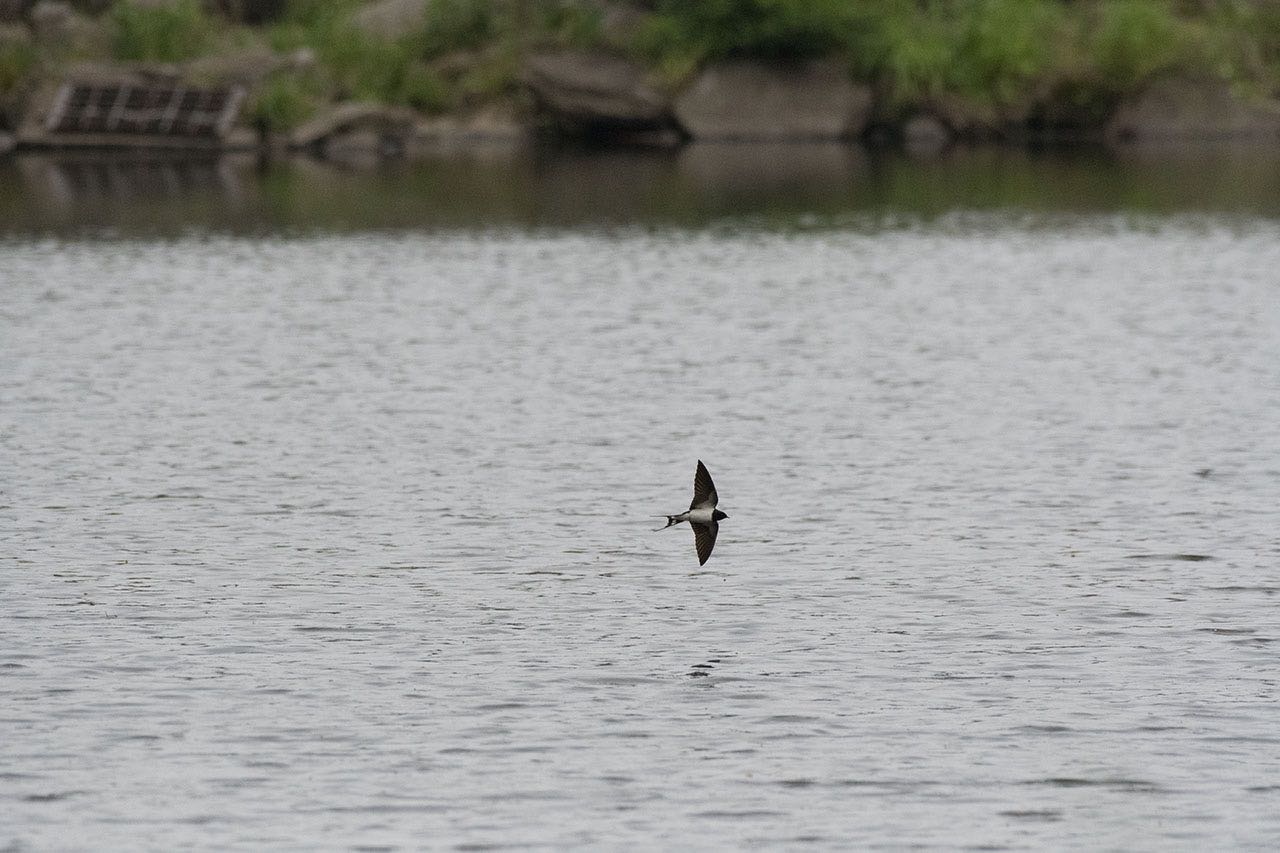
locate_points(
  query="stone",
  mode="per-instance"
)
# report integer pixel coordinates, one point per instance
(11, 11)
(1174, 109)
(491, 123)
(759, 102)
(353, 122)
(61, 28)
(496, 127)
(14, 36)
(392, 19)
(247, 66)
(621, 22)
(925, 133)
(51, 21)
(595, 90)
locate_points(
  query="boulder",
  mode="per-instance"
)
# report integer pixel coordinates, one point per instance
(392, 19)
(621, 22)
(356, 126)
(925, 133)
(1192, 109)
(247, 66)
(51, 20)
(490, 123)
(14, 36)
(754, 101)
(61, 28)
(595, 90)
(11, 11)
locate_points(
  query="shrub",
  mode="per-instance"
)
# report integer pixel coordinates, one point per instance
(425, 90)
(571, 22)
(766, 29)
(15, 61)
(283, 103)
(1136, 39)
(165, 33)
(1003, 45)
(459, 25)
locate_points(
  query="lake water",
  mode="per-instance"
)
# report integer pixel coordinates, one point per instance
(340, 535)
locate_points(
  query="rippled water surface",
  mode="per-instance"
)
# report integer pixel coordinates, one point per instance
(346, 541)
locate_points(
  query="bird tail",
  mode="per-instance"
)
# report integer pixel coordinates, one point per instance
(671, 519)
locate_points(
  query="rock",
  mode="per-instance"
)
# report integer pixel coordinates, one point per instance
(925, 133)
(358, 146)
(7, 143)
(494, 126)
(14, 36)
(1189, 109)
(51, 20)
(596, 91)
(495, 122)
(11, 11)
(350, 126)
(621, 22)
(753, 101)
(56, 25)
(302, 60)
(248, 66)
(392, 19)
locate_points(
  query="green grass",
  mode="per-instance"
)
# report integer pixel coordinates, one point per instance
(284, 102)
(1136, 39)
(168, 33)
(15, 61)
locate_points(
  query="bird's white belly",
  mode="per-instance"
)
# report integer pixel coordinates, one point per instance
(701, 515)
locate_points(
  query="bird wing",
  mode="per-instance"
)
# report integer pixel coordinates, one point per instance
(704, 539)
(704, 491)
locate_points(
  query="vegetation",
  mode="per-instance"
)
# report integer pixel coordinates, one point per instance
(15, 61)
(166, 33)
(1001, 52)
(1009, 57)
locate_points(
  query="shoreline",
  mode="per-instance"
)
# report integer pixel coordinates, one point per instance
(384, 77)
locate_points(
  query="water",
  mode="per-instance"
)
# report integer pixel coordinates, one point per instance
(343, 539)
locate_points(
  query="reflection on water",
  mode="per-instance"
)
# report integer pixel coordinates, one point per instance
(696, 185)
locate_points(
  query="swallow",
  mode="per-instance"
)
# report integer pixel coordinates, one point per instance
(702, 515)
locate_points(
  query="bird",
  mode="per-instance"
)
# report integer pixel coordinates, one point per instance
(702, 514)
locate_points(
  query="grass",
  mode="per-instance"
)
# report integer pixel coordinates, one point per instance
(168, 33)
(15, 61)
(284, 102)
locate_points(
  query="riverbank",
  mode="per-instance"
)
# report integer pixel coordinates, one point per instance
(391, 76)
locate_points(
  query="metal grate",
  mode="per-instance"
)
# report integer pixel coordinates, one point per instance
(143, 110)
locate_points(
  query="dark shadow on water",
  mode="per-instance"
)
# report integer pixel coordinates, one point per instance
(776, 186)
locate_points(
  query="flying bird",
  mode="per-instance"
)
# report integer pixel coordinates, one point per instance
(702, 516)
